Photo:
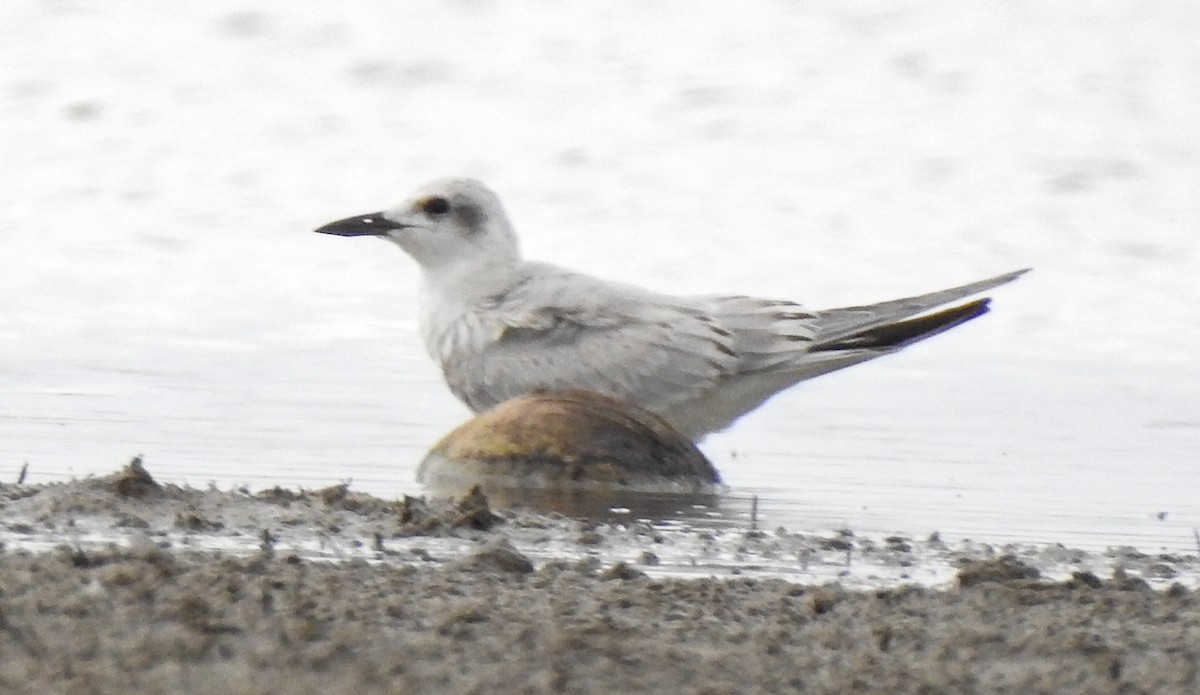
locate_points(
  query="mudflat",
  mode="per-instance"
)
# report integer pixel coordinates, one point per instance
(160, 603)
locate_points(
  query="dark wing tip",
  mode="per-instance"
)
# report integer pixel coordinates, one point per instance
(892, 336)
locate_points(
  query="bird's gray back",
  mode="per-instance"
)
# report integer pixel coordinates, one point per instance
(554, 329)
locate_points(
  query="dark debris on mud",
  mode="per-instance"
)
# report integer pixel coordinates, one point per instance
(132, 499)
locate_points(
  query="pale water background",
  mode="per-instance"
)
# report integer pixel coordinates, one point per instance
(161, 292)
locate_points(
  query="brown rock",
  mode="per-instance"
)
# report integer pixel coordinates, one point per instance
(558, 448)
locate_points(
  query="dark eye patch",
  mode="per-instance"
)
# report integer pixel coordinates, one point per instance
(470, 216)
(435, 205)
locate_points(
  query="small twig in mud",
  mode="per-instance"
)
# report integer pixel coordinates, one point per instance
(21, 475)
(754, 513)
(268, 542)
(1196, 535)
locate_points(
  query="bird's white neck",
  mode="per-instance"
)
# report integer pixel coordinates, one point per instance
(456, 297)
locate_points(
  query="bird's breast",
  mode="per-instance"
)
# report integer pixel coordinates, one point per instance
(461, 314)
(458, 336)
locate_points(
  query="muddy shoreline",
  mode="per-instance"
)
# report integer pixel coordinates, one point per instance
(123, 584)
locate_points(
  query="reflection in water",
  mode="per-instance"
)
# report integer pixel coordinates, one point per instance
(612, 505)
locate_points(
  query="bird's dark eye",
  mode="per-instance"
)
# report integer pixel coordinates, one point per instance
(435, 205)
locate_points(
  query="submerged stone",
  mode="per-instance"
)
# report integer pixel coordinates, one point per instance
(565, 447)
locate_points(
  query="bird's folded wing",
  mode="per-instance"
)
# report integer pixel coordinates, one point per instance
(836, 324)
(567, 331)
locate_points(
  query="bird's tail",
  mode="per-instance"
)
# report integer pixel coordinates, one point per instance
(889, 325)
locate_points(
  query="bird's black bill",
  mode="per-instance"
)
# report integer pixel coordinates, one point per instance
(374, 224)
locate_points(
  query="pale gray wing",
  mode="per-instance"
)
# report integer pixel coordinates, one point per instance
(834, 326)
(768, 334)
(780, 337)
(559, 330)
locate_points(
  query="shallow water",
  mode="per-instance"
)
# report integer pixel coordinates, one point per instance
(161, 294)
(998, 456)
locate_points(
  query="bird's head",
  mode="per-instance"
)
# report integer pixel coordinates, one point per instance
(448, 221)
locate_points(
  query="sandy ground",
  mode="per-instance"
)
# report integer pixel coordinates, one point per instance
(150, 588)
